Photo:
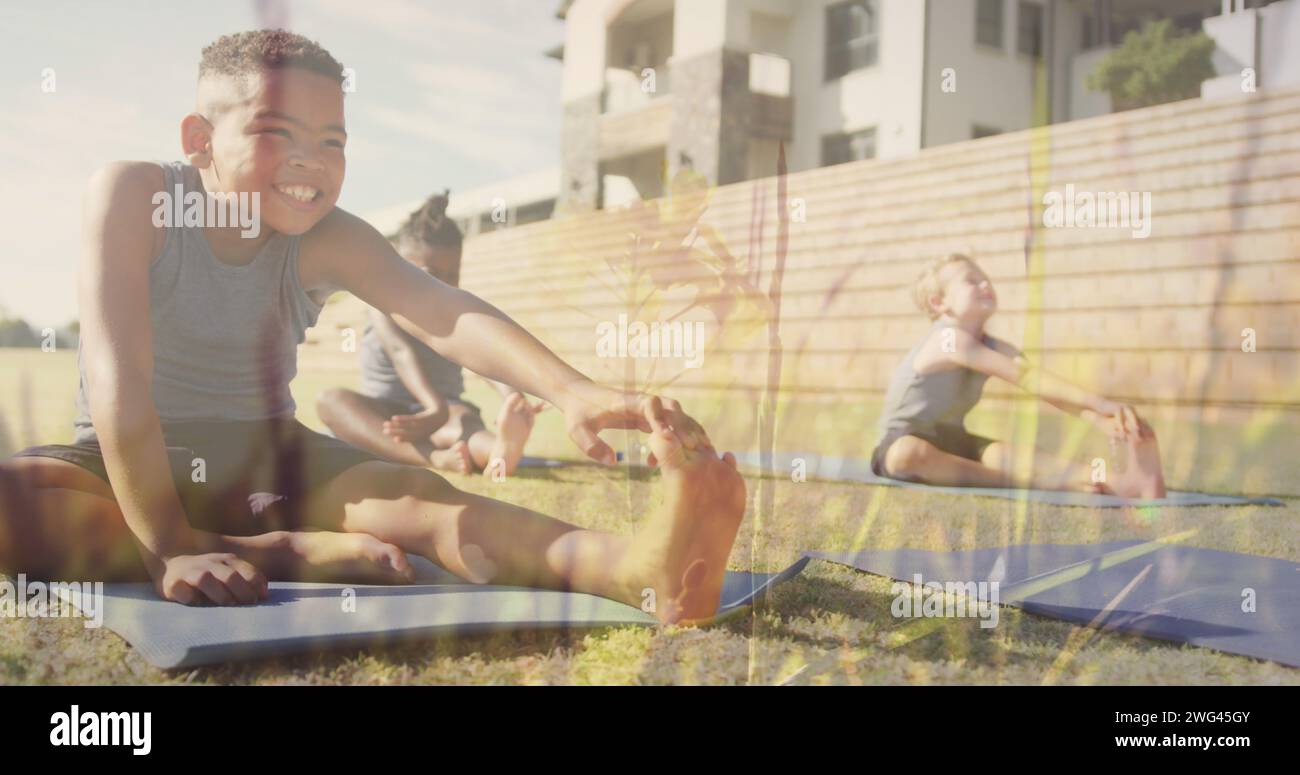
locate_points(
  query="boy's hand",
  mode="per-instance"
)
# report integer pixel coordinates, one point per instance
(328, 556)
(1121, 421)
(220, 579)
(590, 408)
(418, 426)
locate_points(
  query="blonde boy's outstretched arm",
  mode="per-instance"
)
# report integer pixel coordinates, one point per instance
(1111, 416)
(349, 254)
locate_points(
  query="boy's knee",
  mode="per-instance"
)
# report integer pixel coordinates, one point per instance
(15, 506)
(394, 482)
(14, 486)
(908, 456)
(331, 402)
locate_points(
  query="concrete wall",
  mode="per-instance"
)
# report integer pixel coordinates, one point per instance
(1280, 29)
(584, 49)
(1155, 321)
(995, 87)
(886, 96)
(1085, 103)
(1265, 39)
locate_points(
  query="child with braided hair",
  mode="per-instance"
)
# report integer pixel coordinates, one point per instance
(409, 408)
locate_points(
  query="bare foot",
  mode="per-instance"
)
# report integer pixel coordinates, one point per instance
(514, 426)
(681, 553)
(456, 459)
(1142, 477)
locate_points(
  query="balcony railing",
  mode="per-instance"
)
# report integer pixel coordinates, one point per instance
(632, 89)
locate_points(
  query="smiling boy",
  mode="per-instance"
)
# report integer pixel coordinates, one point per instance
(922, 427)
(188, 468)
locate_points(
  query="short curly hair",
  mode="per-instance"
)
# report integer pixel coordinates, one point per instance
(244, 53)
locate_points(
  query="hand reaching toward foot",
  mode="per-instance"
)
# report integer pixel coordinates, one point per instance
(590, 408)
(344, 557)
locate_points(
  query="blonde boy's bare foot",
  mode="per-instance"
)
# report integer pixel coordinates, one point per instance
(456, 459)
(1143, 478)
(514, 426)
(681, 552)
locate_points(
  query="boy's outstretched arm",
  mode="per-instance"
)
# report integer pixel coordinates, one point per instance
(1057, 391)
(350, 254)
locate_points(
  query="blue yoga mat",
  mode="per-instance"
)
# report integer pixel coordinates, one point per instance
(302, 617)
(859, 470)
(1167, 591)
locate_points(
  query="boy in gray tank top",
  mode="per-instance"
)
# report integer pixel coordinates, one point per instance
(922, 435)
(409, 409)
(188, 469)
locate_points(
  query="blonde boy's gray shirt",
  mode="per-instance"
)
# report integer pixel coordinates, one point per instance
(923, 402)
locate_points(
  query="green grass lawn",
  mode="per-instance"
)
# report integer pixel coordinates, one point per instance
(829, 625)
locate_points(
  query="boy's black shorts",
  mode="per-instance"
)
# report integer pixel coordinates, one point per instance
(952, 439)
(236, 478)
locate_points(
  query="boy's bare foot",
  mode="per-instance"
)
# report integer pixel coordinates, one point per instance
(1144, 475)
(681, 552)
(514, 426)
(456, 459)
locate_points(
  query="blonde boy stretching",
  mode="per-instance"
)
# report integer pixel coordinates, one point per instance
(922, 427)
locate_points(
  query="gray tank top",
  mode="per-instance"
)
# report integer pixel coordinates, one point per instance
(921, 402)
(225, 338)
(379, 378)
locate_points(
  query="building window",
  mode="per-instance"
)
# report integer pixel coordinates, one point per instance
(978, 130)
(1030, 29)
(848, 146)
(988, 23)
(852, 36)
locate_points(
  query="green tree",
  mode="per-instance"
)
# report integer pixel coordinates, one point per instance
(1155, 65)
(15, 332)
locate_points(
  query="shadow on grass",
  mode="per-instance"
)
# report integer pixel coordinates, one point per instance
(1019, 638)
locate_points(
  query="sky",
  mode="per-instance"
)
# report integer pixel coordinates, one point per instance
(449, 94)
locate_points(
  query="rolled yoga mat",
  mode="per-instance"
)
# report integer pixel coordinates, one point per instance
(1237, 603)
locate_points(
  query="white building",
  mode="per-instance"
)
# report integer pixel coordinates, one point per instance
(514, 202)
(651, 85)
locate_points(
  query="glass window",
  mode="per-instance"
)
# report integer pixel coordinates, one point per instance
(848, 146)
(988, 23)
(1030, 29)
(852, 36)
(979, 130)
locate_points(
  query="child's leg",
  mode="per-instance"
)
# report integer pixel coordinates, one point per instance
(679, 552)
(359, 420)
(514, 426)
(59, 521)
(1141, 477)
(911, 457)
(1049, 471)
